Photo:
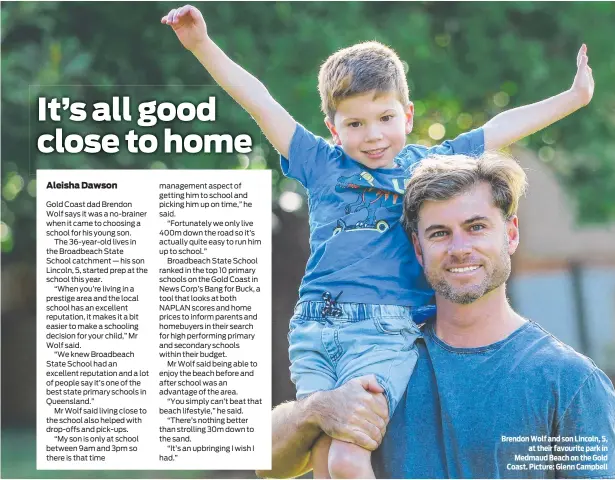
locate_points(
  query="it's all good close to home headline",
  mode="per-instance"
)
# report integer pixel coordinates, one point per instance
(153, 295)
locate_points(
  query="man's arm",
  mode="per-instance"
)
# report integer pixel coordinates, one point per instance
(295, 430)
(589, 420)
(356, 413)
(275, 122)
(515, 124)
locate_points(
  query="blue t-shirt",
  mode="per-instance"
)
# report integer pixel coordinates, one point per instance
(357, 243)
(488, 412)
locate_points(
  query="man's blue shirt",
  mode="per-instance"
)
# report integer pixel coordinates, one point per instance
(357, 243)
(528, 406)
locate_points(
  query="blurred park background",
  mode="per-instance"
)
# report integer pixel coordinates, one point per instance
(466, 62)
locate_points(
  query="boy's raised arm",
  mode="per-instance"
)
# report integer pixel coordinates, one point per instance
(275, 122)
(512, 125)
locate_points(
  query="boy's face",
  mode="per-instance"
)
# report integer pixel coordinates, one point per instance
(372, 129)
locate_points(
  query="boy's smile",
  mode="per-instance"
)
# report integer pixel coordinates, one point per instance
(372, 128)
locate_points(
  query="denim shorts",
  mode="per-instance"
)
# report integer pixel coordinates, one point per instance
(328, 350)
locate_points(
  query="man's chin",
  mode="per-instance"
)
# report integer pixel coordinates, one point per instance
(458, 296)
(464, 299)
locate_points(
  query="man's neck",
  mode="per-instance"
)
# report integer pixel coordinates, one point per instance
(483, 322)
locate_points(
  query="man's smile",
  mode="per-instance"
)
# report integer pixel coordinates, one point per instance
(467, 269)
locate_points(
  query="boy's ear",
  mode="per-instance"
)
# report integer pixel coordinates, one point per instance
(409, 118)
(331, 127)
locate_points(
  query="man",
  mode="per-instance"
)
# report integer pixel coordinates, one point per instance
(493, 394)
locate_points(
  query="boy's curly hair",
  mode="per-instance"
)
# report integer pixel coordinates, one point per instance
(361, 68)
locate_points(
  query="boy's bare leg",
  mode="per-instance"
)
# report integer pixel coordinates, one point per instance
(347, 460)
(320, 457)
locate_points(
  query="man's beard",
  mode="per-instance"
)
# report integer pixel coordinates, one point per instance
(467, 294)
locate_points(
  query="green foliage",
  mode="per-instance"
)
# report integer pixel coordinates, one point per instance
(467, 61)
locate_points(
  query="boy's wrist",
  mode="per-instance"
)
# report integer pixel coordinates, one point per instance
(202, 46)
(576, 98)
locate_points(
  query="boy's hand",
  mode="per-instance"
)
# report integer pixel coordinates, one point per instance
(512, 125)
(583, 84)
(188, 24)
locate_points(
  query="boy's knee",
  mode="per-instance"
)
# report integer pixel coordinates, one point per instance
(347, 460)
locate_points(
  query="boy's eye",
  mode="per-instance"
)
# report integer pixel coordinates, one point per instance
(354, 124)
(386, 118)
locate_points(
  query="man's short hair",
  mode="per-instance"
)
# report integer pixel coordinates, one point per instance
(442, 177)
(361, 68)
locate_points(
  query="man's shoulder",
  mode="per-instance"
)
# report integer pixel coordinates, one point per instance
(531, 352)
(554, 359)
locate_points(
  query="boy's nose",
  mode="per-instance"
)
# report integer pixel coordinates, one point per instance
(373, 133)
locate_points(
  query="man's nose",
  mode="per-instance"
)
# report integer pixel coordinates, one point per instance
(459, 246)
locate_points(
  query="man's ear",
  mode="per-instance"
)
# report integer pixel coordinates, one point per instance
(417, 248)
(512, 233)
(331, 127)
(409, 113)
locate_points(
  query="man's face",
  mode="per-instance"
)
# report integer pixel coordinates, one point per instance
(372, 129)
(464, 245)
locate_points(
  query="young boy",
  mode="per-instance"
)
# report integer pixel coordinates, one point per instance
(363, 290)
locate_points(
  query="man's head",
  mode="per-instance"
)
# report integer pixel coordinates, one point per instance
(461, 213)
(364, 96)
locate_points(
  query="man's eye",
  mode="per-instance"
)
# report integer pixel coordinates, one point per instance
(477, 228)
(437, 234)
(354, 124)
(387, 118)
